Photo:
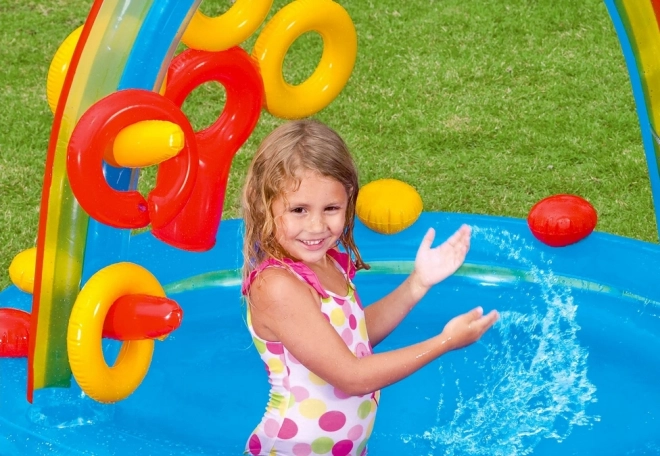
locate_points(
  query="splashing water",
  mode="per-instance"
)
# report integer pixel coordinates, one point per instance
(530, 385)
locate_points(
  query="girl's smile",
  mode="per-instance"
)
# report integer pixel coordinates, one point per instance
(311, 218)
(313, 245)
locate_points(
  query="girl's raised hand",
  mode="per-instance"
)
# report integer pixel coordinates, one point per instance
(432, 265)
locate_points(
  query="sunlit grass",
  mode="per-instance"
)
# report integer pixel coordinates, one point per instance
(485, 107)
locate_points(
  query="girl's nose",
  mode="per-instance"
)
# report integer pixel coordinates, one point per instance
(316, 224)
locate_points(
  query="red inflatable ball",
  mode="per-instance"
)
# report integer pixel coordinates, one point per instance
(560, 220)
(14, 333)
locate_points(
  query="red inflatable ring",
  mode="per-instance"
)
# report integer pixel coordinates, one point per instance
(95, 133)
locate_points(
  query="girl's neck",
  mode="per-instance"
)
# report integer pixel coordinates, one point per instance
(322, 264)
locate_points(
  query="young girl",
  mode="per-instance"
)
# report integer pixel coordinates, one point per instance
(304, 313)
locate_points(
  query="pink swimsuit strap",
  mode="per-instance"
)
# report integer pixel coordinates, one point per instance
(303, 271)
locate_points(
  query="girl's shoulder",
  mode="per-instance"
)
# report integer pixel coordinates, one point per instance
(294, 270)
(274, 283)
(266, 264)
(300, 271)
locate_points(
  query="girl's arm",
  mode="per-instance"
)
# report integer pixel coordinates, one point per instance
(285, 309)
(432, 265)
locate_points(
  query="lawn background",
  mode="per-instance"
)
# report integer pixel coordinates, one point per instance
(484, 106)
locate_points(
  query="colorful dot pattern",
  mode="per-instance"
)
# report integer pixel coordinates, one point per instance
(306, 416)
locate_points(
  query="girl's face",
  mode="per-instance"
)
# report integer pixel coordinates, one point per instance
(310, 220)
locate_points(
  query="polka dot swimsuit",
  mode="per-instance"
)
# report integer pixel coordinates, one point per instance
(305, 415)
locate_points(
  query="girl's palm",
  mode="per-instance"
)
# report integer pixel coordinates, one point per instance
(468, 328)
(433, 265)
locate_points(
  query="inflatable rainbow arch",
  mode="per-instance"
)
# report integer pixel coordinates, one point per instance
(637, 24)
(123, 54)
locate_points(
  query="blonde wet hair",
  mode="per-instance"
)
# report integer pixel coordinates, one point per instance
(289, 150)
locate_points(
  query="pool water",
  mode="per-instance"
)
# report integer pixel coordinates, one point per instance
(570, 368)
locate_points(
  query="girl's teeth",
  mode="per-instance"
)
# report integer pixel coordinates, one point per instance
(311, 242)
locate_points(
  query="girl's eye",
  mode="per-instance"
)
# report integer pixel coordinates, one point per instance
(297, 210)
(332, 208)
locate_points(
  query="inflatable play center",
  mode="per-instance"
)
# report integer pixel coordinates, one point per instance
(120, 344)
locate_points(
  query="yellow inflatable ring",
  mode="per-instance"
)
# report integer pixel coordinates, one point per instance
(330, 20)
(98, 380)
(229, 29)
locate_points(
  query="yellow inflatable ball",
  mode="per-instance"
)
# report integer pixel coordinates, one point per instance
(388, 206)
(22, 269)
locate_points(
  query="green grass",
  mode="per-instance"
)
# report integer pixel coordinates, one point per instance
(485, 107)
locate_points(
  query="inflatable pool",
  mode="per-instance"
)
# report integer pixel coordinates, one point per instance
(571, 366)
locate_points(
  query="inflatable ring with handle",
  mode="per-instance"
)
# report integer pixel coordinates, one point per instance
(84, 338)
